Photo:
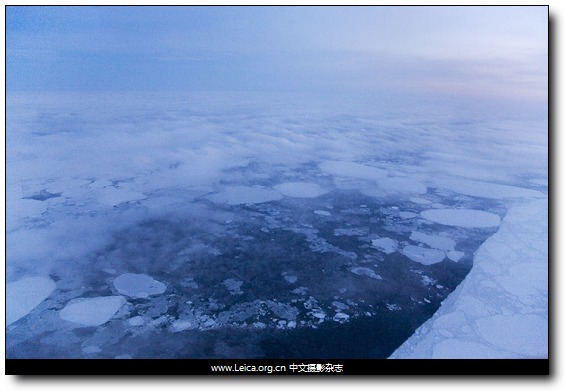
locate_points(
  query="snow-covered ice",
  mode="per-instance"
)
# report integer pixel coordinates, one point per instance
(387, 245)
(425, 256)
(92, 311)
(365, 271)
(138, 285)
(434, 241)
(483, 318)
(24, 295)
(468, 218)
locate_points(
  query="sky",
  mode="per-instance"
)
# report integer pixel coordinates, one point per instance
(499, 52)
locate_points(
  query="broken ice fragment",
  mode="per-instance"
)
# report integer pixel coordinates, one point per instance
(434, 241)
(387, 245)
(24, 295)
(365, 271)
(139, 286)
(136, 321)
(93, 311)
(425, 256)
(341, 317)
(233, 286)
(455, 255)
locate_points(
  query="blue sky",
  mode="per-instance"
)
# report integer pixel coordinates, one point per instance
(472, 51)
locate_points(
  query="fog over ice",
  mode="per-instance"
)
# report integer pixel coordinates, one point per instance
(186, 175)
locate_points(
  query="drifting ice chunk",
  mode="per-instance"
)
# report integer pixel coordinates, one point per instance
(425, 256)
(322, 213)
(341, 317)
(237, 195)
(365, 271)
(138, 285)
(136, 321)
(233, 286)
(24, 295)
(420, 201)
(181, 325)
(407, 215)
(468, 218)
(300, 189)
(455, 255)
(387, 245)
(439, 242)
(291, 279)
(92, 312)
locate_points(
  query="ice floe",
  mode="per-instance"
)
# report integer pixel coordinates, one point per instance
(425, 256)
(291, 279)
(504, 320)
(301, 189)
(468, 218)
(322, 213)
(237, 195)
(234, 286)
(420, 201)
(24, 295)
(138, 285)
(365, 271)
(136, 321)
(92, 311)
(455, 255)
(434, 241)
(387, 245)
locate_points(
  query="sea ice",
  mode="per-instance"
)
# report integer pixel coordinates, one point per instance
(485, 189)
(24, 295)
(233, 286)
(507, 320)
(434, 241)
(237, 195)
(425, 256)
(420, 201)
(352, 170)
(387, 245)
(468, 218)
(322, 213)
(291, 279)
(138, 285)
(300, 189)
(455, 255)
(407, 215)
(92, 311)
(365, 271)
